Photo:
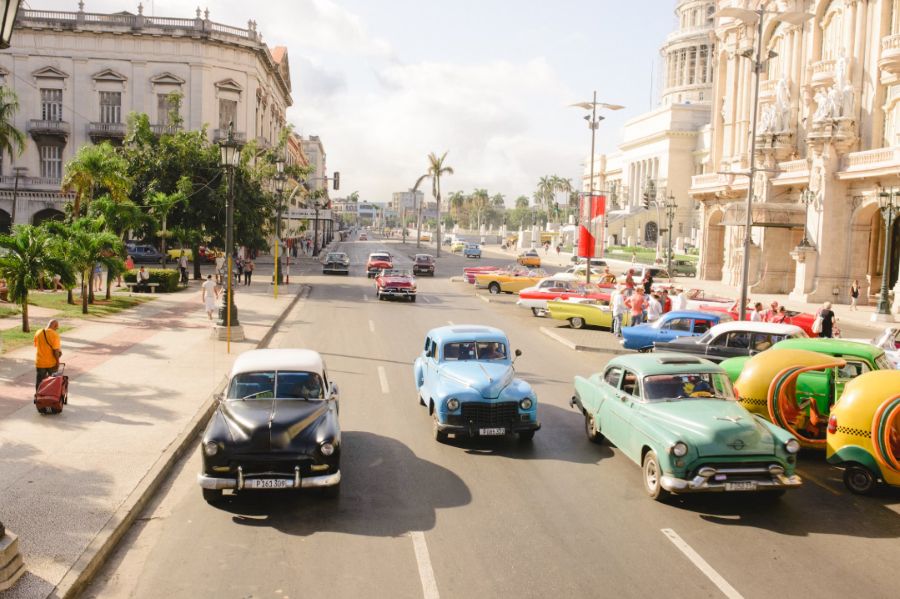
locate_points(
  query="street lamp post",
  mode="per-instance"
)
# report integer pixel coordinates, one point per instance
(8, 11)
(889, 212)
(279, 191)
(316, 228)
(807, 196)
(593, 123)
(755, 18)
(230, 155)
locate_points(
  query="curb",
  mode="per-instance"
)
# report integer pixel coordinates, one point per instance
(82, 572)
(576, 347)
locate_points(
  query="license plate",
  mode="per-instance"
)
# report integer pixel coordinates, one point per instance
(744, 485)
(268, 483)
(491, 432)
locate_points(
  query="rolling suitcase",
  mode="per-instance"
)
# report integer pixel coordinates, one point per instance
(52, 393)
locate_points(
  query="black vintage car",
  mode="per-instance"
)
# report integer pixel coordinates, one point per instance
(276, 427)
(336, 262)
(423, 264)
(731, 339)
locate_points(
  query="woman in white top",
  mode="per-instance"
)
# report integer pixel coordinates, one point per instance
(654, 308)
(756, 315)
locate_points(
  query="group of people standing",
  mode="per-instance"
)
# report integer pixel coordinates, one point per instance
(642, 303)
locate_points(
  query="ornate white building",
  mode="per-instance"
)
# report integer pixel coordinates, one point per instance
(663, 148)
(78, 75)
(828, 133)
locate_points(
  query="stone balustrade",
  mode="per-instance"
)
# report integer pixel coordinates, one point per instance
(823, 70)
(872, 160)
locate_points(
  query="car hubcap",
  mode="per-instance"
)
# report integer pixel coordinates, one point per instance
(652, 478)
(859, 480)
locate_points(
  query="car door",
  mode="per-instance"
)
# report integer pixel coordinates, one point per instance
(674, 328)
(737, 343)
(428, 367)
(619, 410)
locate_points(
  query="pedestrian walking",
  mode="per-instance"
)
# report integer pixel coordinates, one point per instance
(209, 295)
(854, 294)
(781, 316)
(182, 265)
(98, 277)
(239, 265)
(666, 301)
(48, 349)
(220, 269)
(647, 282)
(617, 302)
(558, 248)
(248, 271)
(57, 282)
(629, 282)
(827, 317)
(637, 303)
(771, 313)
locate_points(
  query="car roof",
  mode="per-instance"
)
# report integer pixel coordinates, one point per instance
(757, 327)
(694, 314)
(833, 347)
(465, 332)
(664, 363)
(260, 360)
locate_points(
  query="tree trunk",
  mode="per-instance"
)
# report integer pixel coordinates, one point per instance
(195, 249)
(84, 293)
(25, 327)
(108, 284)
(70, 296)
(437, 230)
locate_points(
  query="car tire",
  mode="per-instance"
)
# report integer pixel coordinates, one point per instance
(494, 288)
(577, 322)
(859, 480)
(526, 436)
(212, 496)
(592, 430)
(439, 435)
(652, 477)
(537, 312)
(412, 298)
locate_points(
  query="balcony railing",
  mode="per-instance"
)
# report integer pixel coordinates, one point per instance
(222, 134)
(106, 130)
(868, 159)
(164, 129)
(42, 127)
(26, 183)
(823, 70)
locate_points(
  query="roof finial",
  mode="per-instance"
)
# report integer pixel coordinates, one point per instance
(206, 14)
(199, 12)
(80, 6)
(140, 8)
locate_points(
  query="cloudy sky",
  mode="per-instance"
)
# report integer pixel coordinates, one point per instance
(385, 82)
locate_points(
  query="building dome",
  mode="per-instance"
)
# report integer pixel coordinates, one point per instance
(688, 54)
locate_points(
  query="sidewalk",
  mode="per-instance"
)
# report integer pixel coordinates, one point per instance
(140, 380)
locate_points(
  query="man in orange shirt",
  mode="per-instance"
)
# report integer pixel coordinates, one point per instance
(48, 350)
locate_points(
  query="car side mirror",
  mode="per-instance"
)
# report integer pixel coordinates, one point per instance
(518, 352)
(333, 390)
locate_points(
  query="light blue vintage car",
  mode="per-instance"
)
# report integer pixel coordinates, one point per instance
(465, 377)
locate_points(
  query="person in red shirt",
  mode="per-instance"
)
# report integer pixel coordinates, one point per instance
(629, 282)
(637, 303)
(665, 300)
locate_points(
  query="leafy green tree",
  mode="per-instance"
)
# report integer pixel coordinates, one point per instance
(480, 200)
(12, 141)
(118, 218)
(96, 168)
(437, 169)
(522, 202)
(31, 253)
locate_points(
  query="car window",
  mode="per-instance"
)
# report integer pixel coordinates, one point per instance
(678, 324)
(660, 387)
(475, 350)
(299, 385)
(852, 370)
(763, 341)
(630, 384)
(719, 341)
(427, 344)
(701, 326)
(613, 377)
(252, 385)
(739, 339)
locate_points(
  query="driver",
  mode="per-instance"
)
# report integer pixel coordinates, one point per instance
(493, 351)
(696, 387)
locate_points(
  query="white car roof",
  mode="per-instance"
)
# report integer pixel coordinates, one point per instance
(261, 360)
(758, 327)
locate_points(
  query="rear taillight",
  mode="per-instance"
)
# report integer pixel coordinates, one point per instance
(832, 424)
(737, 394)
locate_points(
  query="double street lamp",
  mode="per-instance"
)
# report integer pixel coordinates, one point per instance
(807, 197)
(229, 159)
(889, 212)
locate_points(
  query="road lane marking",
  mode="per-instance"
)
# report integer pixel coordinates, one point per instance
(426, 573)
(382, 376)
(702, 565)
(425, 299)
(371, 326)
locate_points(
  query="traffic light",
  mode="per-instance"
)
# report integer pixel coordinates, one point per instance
(337, 180)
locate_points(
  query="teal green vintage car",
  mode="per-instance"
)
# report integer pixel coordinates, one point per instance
(676, 416)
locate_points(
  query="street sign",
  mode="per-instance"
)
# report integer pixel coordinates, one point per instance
(306, 213)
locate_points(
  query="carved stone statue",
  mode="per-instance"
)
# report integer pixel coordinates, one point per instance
(783, 105)
(824, 107)
(767, 119)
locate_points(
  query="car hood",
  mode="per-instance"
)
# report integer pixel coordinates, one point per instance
(487, 378)
(396, 281)
(273, 424)
(713, 426)
(380, 263)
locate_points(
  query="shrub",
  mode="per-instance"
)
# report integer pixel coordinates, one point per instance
(167, 279)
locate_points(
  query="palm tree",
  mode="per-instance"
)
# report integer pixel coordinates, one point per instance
(415, 190)
(90, 244)
(522, 202)
(94, 168)
(563, 186)
(545, 188)
(12, 141)
(163, 203)
(437, 169)
(456, 201)
(118, 218)
(480, 200)
(498, 200)
(31, 253)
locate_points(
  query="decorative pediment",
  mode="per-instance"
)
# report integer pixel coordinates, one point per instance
(109, 75)
(167, 79)
(229, 85)
(49, 73)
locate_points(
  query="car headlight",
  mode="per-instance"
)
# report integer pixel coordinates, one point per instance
(526, 404)
(679, 450)
(452, 404)
(792, 446)
(211, 448)
(326, 448)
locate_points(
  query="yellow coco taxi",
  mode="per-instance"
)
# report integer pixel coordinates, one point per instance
(767, 386)
(864, 431)
(529, 258)
(505, 281)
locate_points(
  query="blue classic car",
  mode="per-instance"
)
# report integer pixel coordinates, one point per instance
(683, 323)
(472, 250)
(465, 377)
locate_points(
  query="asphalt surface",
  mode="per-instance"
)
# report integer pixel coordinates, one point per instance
(498, 518)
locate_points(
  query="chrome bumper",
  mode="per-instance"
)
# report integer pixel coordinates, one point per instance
(296, 482)
(397, 293)
(705, 481)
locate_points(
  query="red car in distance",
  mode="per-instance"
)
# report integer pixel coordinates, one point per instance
(559, 287)
(470, 272)
(395, 283)
(377, 262)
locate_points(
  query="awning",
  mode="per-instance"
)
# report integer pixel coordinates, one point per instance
(788, 216)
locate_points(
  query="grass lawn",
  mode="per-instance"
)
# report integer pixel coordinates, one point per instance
(8, 310)
(100, 307)
(15, 338)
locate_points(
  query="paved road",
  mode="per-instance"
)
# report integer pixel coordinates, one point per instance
(558, 517)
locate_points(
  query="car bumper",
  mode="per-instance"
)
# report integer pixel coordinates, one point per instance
(423, 271)
(333, 268)
(296, 482)
(397, 292)
(466, 430)
(773, 479)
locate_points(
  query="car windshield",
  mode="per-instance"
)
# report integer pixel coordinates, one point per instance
(395, 272)
(335, 256)
(423, 259)
(674, 387)
(276, 385)
(475, 350)
(379, 257)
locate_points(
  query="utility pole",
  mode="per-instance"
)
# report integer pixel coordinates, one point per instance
(18, 170)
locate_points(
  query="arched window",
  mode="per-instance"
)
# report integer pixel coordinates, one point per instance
(47, 214)
(5, 222)
(833, 30)
(651, 232)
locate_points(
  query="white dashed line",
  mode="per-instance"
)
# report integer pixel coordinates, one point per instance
(365, 297)
(382, 376)
(426, 573)
(371, 326)
(702, 565)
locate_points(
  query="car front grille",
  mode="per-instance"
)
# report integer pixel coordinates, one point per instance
(263, 466)
(732, 471)
(486, 415)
